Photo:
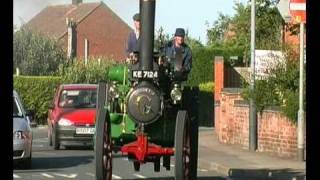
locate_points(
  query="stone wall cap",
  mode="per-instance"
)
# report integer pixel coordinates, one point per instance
(218, 58)
(232, 90)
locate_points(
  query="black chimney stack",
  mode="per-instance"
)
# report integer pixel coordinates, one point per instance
(147, 17)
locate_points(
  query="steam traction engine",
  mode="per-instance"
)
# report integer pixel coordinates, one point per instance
(145, 111)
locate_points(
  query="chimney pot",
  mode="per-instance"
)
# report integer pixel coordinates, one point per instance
(76, 2)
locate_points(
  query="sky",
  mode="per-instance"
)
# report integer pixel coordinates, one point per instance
(193, 15)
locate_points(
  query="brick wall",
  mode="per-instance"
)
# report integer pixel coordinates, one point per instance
(277, 135)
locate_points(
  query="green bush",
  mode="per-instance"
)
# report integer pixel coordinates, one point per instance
(36, 55)
(78, 72)
(203, 62)
(281, 88)
(206, 104)
(37, 93)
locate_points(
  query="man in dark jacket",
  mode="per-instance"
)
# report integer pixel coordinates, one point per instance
(133, 38)
(180, 52)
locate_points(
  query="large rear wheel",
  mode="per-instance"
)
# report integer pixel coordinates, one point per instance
(103, 144)
(182, 147)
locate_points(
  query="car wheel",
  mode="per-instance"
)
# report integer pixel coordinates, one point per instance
(55, 140)
(26, 164)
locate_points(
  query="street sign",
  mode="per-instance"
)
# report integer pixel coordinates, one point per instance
(265, 61)
(283, 8)
(298, 10)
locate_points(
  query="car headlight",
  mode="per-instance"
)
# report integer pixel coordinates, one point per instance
(65, 122)
(19, 135)
(176, 93)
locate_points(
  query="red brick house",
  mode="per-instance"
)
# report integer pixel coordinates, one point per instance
(84, 28)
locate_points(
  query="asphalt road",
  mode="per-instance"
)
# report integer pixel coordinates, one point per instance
(78, 163)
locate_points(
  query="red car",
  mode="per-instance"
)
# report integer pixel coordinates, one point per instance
(71, 116)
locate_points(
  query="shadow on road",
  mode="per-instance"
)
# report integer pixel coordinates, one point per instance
(39, 163)
(283, 174)
(172, 178)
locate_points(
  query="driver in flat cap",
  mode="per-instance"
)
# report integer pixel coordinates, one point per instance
(133, 38)
(176, 46)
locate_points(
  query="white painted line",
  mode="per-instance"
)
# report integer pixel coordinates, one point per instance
(67, 176)
(47, 175)
(46, 153)
(140, 176)
(203, 170)
(90, 174)
(297, 6)
(42, 140)
(16, 176)
(171, 165)
(116, 177)
(37, 145)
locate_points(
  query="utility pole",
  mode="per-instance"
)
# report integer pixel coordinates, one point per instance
(301, 111)
(252, 109)
(298, 11)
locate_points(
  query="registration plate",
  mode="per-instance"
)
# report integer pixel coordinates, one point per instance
(144, 74)
(85, 131)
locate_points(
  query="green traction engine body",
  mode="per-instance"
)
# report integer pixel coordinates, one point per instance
(146, 112)
(123, 127)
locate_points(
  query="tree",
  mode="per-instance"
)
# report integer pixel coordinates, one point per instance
(36, 55)
(160, 39)
(268, 27)
(220, 27)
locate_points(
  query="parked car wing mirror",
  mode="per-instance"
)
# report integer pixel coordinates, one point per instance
(31, 116)
(30, 113)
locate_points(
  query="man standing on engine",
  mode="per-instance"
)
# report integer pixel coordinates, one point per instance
(133, 38)
(177, 49)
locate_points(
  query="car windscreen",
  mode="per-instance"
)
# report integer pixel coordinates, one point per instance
(17, 112)
(83, 98)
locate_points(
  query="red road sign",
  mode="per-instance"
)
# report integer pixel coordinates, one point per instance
(298, 10)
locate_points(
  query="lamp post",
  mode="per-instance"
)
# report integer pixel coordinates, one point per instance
(252, 108)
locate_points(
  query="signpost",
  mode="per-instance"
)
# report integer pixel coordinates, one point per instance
(298, 12)
(283, 7)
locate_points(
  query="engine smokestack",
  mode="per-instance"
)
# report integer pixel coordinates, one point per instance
(147, 13)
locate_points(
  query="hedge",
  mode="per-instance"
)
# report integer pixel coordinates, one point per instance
(206, 113)
(36, 93)
(203, 62)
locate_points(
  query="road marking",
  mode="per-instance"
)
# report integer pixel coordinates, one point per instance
(90, 174)
(37, 145)
(16, 176)
(41, 140)
(45, 153)
(47, 175)
(203, 170)
(67, 176)
(140, 176)
(116, 177)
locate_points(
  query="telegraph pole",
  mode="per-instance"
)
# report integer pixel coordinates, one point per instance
(298, 11)
(252, 111)
(301, 111)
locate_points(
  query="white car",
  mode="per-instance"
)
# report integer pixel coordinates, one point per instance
(22, 133)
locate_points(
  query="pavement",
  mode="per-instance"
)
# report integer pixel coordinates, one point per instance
(233, 161)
